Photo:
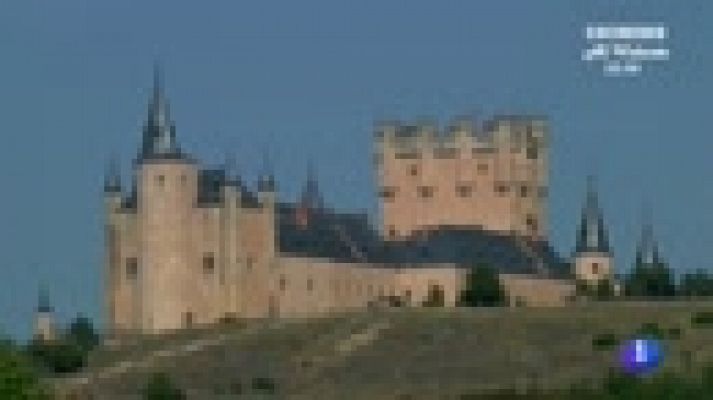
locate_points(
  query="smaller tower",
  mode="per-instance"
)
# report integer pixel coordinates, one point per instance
(593, 258)
(44, 329)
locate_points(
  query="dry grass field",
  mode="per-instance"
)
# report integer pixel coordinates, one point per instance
(400, 353)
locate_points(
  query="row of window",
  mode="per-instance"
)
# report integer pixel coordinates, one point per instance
(347, 287)
(132, 265)
(531, 152)
(530, 221)
(161, 180)
(425, 192)
(482, 168)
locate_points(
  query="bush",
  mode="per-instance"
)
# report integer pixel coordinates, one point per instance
(57, 357)
(674, 333)
(160, 387)
(69, 352)
(483, 288)
(17, 378)
(704, 318)
(263, 384)
(650, 330)
(604, 341)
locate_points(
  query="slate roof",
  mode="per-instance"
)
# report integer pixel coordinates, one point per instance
(324, 237)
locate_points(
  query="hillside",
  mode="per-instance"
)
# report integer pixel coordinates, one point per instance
(396, 354)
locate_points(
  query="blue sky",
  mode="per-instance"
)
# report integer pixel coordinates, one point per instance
(307, 80)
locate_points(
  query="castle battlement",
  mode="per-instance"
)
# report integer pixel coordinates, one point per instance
(411, 140)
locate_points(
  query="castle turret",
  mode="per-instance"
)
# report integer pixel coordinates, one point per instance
(167, 182)
(593, 257)
(159, 134)
(44, 329)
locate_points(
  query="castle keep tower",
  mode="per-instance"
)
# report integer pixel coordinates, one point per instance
(593, 259)
(167, 182)
(492, 176)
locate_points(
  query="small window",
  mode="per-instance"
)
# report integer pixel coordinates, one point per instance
(425, 192)
(413, 170)
(532, 152)
(387, 193)
(501, 189)
(132, 268)
(208, 263)
(531, 222)
(310, 284)
(183, 180)
(482, 168)
(283, 283)
(392, 232)
(249, 264)
(160, 180)
(524, 190)
(595, 268)
(464, 190)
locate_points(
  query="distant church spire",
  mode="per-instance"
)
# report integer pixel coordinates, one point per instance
(159, 135)
(311, 196)
(43, 302)
(647, 252)
(592, 235)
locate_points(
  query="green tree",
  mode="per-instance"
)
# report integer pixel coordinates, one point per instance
(696, 284)
(160, 387)
(81, 333)
(653, 281)
(69, 352)
(604, 290)
(18, 380)
(483, 288)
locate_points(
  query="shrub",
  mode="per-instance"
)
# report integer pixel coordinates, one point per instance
(704, 318)
(650, 330)
(263, 384)
(483, 288)
(17, 378)
(604, 341)
(160, 387)
(674, 333)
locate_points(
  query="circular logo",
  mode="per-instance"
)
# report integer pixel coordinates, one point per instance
(639, 356)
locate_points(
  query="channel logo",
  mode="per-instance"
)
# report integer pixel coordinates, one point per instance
(640, 356)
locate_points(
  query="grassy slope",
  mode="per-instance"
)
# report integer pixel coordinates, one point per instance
(422, 354)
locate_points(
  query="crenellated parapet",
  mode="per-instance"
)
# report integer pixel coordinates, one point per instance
(465, 136)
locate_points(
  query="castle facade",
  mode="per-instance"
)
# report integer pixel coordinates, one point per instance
(186, 245)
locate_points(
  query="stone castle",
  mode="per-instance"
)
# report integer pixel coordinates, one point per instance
(186, 245)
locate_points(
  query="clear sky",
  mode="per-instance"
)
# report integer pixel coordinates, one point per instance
(307, 79)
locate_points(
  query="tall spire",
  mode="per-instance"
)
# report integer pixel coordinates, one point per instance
(159, 136)
(43, 302)
(647, 252)
(592, 233)
(311, 196)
